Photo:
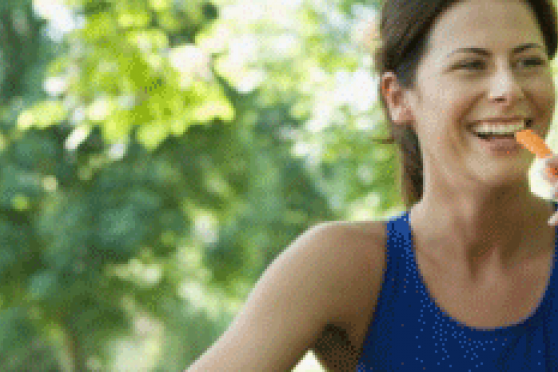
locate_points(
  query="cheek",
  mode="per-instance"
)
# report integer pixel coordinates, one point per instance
(543, 92)
(453, 98)
(545, 98)
(455, 108)
(443, 115)
(448, 100)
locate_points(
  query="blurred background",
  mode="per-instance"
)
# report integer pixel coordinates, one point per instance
(157, 155)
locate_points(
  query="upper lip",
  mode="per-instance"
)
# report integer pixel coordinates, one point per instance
(513, 118)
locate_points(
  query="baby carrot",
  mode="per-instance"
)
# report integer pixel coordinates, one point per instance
(532, 142)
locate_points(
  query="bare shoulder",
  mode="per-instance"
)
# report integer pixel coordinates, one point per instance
(311, 285)
(357, 264)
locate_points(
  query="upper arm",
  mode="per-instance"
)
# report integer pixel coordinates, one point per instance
(286, 312)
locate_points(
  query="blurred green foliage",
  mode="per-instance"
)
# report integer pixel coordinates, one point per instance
(157, 158)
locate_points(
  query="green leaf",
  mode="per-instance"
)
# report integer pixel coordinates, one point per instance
(42, 115)
(152, 134)
(212, 105)
(117, 126)
(43, 284)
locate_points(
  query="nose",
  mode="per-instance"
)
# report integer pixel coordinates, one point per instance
(505, 88)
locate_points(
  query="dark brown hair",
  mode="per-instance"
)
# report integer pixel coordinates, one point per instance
(404, 31)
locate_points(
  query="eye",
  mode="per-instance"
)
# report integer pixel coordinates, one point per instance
(473, 64)
(535, 61)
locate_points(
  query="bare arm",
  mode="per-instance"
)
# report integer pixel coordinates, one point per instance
(286, 312)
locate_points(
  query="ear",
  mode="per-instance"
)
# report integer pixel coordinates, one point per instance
(396, 100)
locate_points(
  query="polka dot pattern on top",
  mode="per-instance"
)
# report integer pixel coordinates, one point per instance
(409, 332)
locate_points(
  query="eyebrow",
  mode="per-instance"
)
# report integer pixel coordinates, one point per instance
(485, 52)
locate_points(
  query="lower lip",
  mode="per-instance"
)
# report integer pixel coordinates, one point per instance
(501, 146)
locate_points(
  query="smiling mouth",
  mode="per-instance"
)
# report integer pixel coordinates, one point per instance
(490, 136)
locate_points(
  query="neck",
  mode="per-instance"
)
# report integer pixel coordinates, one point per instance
(481, 233)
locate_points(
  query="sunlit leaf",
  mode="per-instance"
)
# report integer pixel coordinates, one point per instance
(153, 134)
(42, 115)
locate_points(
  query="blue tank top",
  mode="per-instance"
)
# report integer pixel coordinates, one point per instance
(409, 332)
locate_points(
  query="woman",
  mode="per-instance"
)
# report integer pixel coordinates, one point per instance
(464, 279)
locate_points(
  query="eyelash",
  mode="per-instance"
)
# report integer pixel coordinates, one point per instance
(537, 62)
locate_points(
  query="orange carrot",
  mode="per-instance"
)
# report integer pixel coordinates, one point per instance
(532, 142)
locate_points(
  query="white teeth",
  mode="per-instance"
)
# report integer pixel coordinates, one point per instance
(485, 128)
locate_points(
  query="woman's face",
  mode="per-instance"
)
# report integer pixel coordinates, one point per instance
(508, 74)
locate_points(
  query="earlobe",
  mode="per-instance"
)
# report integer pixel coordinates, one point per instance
(405, 116)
